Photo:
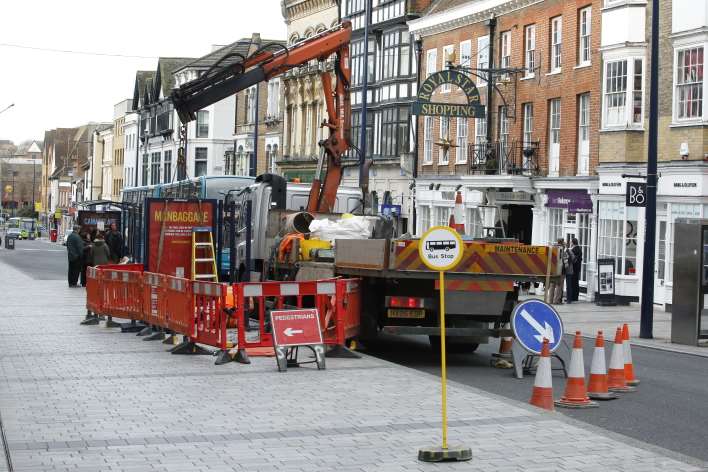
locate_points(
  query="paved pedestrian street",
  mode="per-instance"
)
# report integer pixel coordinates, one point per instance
(88, 398)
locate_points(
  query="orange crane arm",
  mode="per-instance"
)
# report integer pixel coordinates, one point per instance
(265, 64)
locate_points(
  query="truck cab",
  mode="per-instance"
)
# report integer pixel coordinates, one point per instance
(253, 205)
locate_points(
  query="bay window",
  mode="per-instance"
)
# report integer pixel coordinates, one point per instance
(394, 131)
(689, 83)
(396, 55)
(623, 93)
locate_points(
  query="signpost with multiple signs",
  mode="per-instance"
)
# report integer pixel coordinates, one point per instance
(292, 329)
(441, 249)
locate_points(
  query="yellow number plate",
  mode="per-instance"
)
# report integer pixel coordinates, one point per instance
(406, 313)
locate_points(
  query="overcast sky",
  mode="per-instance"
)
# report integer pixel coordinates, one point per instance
(53, 89)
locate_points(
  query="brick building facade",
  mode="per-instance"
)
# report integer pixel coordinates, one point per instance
(682, 190)
(533, 156)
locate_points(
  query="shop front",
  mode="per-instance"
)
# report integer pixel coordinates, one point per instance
(682, 192)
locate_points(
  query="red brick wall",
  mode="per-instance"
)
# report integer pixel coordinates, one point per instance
(566, 85)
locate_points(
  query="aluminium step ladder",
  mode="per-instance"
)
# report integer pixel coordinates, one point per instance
(203, 255)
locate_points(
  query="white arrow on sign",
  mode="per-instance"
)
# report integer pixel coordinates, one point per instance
(292, 332)
(543, 331)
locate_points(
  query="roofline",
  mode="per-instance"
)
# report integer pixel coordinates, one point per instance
(474, 11)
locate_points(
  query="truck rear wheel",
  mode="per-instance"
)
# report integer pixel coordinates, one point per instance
(455, 345)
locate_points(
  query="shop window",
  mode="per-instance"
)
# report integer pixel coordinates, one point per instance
(583, 220)
(442, 216)
(474, 223)
(617, 238)
(555, 228)
(424, 219)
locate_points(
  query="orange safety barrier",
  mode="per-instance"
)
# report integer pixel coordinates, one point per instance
(94, 299)
(337, 301)
(121, 293)
(210, 316)
(179, 306)
(153, 299)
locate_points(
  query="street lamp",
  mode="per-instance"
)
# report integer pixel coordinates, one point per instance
(7, 107)
(14, 203)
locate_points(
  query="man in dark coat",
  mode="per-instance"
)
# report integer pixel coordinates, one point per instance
(577, 265)
(114, 240)
(75, 251)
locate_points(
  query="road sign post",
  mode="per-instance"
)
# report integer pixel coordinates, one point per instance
(533, 321)
(293, 329)
(441, 249)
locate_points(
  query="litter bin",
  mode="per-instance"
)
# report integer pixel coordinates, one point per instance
(53, 235)
(9, 243)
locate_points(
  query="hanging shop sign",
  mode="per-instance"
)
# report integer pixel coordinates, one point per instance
(472, 109)
(636, 195)
(575, 201)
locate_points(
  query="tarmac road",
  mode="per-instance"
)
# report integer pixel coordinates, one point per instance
(39, 259)
(669, 408)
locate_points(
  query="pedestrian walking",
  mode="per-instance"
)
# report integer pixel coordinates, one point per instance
(115, 243)
(75, 252)
(100, 253)
(86, 256)
(568, 265)
(577, 266)
(555, 289)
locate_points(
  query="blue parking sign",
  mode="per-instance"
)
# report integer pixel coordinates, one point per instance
(534, 320)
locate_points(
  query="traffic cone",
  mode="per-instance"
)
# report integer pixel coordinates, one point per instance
(542, 395)
(615, 376)
(628, 364)
(575, 395)
(597, 386)
(458, 215)
(505, 343)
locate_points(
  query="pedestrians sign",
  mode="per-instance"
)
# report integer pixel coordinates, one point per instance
(294, 328)
(440, 248)
(533, 321)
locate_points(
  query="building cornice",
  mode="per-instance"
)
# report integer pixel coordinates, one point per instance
(464, 15)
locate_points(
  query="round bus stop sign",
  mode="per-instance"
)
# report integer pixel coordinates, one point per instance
(440, 248)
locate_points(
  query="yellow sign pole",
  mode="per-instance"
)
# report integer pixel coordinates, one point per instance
(441, 248)
(443, 360)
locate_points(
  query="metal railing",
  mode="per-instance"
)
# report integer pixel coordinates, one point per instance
(504, 158)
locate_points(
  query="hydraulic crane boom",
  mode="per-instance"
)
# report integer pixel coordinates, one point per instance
(264, 64)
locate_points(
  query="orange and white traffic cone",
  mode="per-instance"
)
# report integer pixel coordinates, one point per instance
(505, 343)
(597, 385)
(615, 376)
(458, 215)
(575, 395)
(542, 395)
(628, 364)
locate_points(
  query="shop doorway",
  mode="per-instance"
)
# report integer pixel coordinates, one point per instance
(519, 222)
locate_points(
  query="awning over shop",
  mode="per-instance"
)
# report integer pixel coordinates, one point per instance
(575, 201)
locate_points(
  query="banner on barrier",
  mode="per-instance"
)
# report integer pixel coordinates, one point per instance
(169, 226)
